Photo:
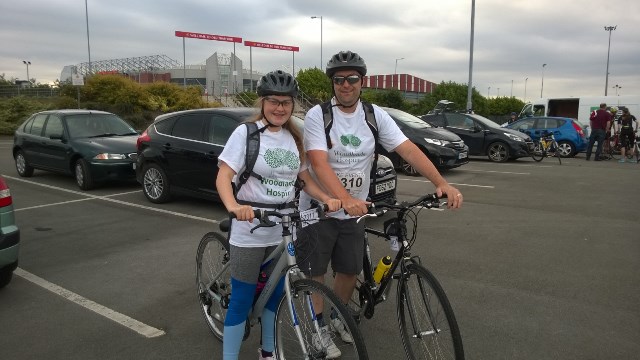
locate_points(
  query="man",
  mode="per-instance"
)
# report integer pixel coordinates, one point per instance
(627, 132)
(343, 170)
(600, 122)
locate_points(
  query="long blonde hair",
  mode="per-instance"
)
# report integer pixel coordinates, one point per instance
(295, 132)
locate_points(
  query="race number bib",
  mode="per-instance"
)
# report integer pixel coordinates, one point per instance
(352, 182)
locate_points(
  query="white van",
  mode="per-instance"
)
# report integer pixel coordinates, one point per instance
(579, 108)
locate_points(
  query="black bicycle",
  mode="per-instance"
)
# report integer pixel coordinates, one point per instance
(298, 334)
(546, 146)
(427, 323)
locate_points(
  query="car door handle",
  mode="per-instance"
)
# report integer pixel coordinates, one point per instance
(211, 155)
(167, 146)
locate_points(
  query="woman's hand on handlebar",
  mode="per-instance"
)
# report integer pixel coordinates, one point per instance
(243, 212)
(454, 196)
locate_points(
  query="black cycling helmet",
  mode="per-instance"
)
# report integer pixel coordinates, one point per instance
(346, 60)
(277, 83)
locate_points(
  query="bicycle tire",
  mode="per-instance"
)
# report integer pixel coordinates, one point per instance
(614, 148)
(537, 154)
(287, 344)
(213, 253)
(557, 152)
(431, 331)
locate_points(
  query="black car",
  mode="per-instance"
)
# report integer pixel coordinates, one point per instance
(94, 146)
(445, 149)
(483, 136)
(179, 153)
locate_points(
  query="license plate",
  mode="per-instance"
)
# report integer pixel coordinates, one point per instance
(462, 155)
(385, 186)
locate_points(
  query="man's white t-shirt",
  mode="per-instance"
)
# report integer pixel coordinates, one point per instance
(279, 164)
(352, 152)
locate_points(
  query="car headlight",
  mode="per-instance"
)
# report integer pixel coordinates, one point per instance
(108, 156)
(436, 141)
(514, 137)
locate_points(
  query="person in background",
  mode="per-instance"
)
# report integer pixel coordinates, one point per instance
(277, 91)
(627, 126)
(600, 122)
(513, 118)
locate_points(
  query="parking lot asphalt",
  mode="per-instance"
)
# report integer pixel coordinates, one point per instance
(542, 262)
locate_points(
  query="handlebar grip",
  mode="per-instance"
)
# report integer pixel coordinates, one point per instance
(257, 213)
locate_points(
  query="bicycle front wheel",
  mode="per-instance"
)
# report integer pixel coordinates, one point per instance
(214, 296)
(614, 148)
(537, 153)
(428, 326)
(297, 326)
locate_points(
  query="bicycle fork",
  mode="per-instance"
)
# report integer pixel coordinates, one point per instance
(417, 332)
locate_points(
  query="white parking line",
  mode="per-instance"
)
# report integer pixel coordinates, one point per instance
(106, 198)
(459, 184)
(124, 320)
(499, 172)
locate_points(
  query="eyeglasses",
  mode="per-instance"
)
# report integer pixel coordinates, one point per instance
(351, 79)
(275, 102)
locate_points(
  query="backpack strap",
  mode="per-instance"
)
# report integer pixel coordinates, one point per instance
(251, 153)
(327, 115)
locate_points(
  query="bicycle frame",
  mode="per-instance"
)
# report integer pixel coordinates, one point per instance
(285, 267)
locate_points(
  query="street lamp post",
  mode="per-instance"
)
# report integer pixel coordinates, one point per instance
(321, 58)
(606, 81)
(525, 89)
(26, 62)
(511, 94)
(617, 87)
(86, 10)
(395, 71)
(542, 86)
(498, 92)
(488, 92)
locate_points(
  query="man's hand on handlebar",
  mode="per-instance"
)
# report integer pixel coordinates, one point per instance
(355, 207)
(454, 196)
(334, 204)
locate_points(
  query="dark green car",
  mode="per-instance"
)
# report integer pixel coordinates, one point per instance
(94, 146)
(9, 236)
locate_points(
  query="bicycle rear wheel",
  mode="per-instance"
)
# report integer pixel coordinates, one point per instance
(537, 154)
(304, 316)
(614, 148)
(556, 152)
(428, 326)
(213, 253)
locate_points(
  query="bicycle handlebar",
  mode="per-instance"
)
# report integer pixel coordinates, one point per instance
(428, 201)
(263, 215)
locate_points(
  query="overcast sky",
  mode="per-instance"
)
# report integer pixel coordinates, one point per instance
(512, 38)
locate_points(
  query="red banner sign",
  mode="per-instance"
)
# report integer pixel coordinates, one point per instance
(271, 46)
(193, 35)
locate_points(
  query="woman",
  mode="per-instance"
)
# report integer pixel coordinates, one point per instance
(278, 166)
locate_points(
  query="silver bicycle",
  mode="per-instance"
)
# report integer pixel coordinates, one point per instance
(296, 326)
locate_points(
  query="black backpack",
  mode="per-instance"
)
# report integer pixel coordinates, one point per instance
(370, 118)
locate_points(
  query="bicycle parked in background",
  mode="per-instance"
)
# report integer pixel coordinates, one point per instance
(428, 326)
(297, 332)
(546, 146)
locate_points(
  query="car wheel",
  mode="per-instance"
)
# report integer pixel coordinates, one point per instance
(408, 169)
(22, 166)
(155, 184)
(5, 277)
(566, 149)
(83, 175)
(498, 152)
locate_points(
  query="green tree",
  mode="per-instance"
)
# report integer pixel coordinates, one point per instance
(315, 84)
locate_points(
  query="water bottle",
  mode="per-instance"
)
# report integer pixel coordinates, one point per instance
(394, 243)
(383, 266)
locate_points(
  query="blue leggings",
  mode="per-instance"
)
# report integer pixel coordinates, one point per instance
(245, 262)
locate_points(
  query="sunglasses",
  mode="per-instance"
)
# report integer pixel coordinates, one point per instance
(351, 79)
(275, 102)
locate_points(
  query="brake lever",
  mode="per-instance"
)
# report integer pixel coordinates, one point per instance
(264, 222)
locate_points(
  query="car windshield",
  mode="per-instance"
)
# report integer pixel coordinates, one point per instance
(407, 119)
(97, 125)
(486, 122)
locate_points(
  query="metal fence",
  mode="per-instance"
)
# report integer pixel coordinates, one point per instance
(13, 91)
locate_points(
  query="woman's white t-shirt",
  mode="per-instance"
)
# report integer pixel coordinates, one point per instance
(352, 152)
(279, 164)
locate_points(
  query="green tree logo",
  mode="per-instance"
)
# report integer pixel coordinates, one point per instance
(349, 139)
(278, 157)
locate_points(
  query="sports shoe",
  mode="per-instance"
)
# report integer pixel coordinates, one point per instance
(323, 341)
(337, 326)
(264, 358)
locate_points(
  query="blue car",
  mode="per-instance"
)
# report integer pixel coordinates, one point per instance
(568, 133)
